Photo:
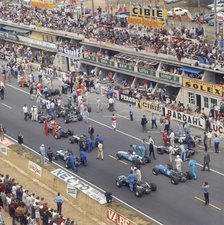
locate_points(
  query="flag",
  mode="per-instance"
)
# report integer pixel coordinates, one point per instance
(189, 17)
(179, 18)
(125, 8)
(198, 20)
(174, 15)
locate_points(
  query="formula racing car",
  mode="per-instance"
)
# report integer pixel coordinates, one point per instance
(177, 151)
(173, 174)
(140, 187)
(61, 132)
(72, 118)
(194, 140)
(136, 152)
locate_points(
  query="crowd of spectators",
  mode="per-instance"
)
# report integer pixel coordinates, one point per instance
(180, 42)
(25, 207)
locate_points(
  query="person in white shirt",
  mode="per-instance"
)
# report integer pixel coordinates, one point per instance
(178, 162)
(209, 136)
(172, 138)
(171, 152)
(25, 111)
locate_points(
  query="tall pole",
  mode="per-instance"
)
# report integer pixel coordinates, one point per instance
(93, 10)
(215, 11)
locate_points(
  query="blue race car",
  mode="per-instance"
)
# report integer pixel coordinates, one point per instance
(137, 152)
(173, 174)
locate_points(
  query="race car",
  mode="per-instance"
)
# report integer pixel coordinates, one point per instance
(136, 152)
(77, 138)
(61, 132)
(41, 117)
(64, 154)
(177, 151)
(72, 118)
(140, 188)
(182, 139)
(173, 174)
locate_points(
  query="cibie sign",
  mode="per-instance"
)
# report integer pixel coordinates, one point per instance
(117, 218)
(148, 12)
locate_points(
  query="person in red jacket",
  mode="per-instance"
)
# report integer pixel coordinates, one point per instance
(165, 138)
(46, 131)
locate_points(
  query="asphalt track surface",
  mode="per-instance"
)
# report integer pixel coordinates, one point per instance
(170, 204)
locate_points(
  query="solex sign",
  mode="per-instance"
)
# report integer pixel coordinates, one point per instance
(117, 218)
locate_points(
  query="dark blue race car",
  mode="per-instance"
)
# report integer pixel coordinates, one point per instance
(173, 174)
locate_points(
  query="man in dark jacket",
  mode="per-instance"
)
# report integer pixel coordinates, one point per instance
(206, 161)
(144, 121)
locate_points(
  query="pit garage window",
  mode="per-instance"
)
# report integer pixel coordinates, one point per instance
(191, 98)
(213, 101)
(206, 104)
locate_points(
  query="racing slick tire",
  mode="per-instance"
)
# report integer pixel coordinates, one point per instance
(155, 171)
(71, 140)
(66, 120)
(147, 159)
(174, 180)
(89, 109)
(160, 151)
(189, 175)
(118, 183)
(153, 186)
(57, 136)
(138, 192)
(70, 132)
(79, 117)
(118, 156)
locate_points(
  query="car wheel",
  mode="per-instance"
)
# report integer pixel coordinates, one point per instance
(160, 151)
(118, 183)
(174, 180)
(57, 136)
(153, 186)
(147, 159)
(138, 192)
(155, 171)
(79, 118)
(70, 132)
(189, 175)
(118, 156)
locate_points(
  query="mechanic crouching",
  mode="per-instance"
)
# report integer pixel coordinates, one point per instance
(71, 162)
(131, 180)
(83, 157)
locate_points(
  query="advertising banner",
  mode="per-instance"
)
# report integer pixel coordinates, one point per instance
(146, 22)
(117, 218)
(154, 13)
(80, 185)
(197, 85)
(34, 168)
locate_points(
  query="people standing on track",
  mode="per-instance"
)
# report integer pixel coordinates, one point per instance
(171, 152)
(25, 112)
(46, 130)
(20, 140)
(151, 148)
(216, 143)
(165, 138)
(154, 118)
(83, 157)
(144, 121)
(91, 132)
(206, 161)
(2, 91)
(161, 124)
(99, 105)
(59, 201)
(131, 112)
(172, 137)
(192, 166)
(50, 154)
(42, 154)
(100, 151)
(178, 162)
(114, 121)
(53, 127)
(205, 188)
(209, 135)
(205, 140)
(85, 115)
(131, 179)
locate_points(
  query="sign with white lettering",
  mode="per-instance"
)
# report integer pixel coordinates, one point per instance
(34, 168)
(190, 119)
(128, 98)
(117, 218)
(80, 185)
